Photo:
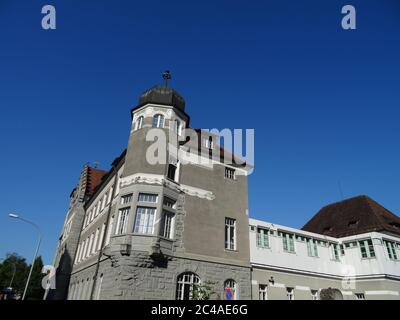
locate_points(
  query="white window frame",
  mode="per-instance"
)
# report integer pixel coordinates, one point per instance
(288, 242)
(126, 198)
(139, 123)
(186, 281)
(144, 220)
(368, 245)
(391, 249)
(158, 121)
(232, 284)
(262, 237)
(262, 292)
(230, 173)
(122, 221)
(312, 248)
(290, 293)
(167, 226)
(230, 234)
(148, 197)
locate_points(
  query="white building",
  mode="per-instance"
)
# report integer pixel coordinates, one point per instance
(289, 263)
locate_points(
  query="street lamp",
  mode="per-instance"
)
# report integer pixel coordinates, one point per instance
(15, 216)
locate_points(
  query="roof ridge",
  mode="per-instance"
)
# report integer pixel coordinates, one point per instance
(377, 216)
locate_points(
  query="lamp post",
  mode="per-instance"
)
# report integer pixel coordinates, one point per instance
(15, 216)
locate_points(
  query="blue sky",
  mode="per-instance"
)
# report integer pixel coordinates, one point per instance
(324, 102)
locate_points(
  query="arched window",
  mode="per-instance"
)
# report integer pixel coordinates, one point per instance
(139, 123)
(230, 290)
(185, 284)
(158, 121)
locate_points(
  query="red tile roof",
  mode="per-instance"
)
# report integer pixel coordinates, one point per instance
(353, 216)
(94, 179)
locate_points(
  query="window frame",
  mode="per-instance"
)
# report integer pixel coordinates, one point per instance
(160, 122)
(230, 234)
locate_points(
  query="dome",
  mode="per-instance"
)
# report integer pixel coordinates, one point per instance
(163, 95)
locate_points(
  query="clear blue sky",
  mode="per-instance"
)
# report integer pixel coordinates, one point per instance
(324, 102)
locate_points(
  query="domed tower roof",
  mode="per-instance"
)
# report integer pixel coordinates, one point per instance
(163, 95)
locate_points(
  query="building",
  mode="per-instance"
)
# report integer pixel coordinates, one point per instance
(153, 231)
(352, 246)
(161, 229)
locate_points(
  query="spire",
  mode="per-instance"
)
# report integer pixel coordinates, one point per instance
(166, 76)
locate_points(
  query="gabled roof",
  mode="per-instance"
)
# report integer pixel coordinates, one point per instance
(353, 216)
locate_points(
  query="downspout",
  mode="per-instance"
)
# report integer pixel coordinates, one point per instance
(104, 237)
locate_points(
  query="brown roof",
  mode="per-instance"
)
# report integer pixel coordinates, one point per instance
(94, 179)
(353, 216)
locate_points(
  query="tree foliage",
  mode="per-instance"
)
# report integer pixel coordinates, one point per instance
(14, 264)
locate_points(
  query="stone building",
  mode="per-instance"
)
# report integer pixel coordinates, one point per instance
(163, 222)
(145, 230)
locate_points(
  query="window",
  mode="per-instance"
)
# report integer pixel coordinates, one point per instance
(171, 171)
(167, 225)
(126, 198)
(178, 127)
(139, 123)
(82, 251)
(288, 242)
(230, 234)
(103, 228)
(230, 173)
(168, 202)
(77, 253)
(314, 294)
(391, 249)
(290, 293)
(110, 194)
(342, 250)
(158, 121)
(360, 296)
(367, 248)
(109, 230)
(144, 222)
(147, 197)
(230, 289)
(335, 251)
(96, 239)
(262, 292)
(122, 221)
(208, 143)
(312, 248)
(262, 238)
(186, 282)
(103, 202)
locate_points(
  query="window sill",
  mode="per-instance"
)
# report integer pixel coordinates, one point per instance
(291, 252)
(231, 250)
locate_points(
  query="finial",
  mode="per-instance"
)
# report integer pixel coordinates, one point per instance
(166, 76)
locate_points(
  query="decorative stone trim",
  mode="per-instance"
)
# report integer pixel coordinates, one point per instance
(161, 180)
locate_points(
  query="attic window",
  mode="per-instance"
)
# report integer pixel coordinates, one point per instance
(395, 225)
(327, 229)
(353, 224)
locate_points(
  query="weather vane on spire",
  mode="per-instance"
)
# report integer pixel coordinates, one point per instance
(166, 76)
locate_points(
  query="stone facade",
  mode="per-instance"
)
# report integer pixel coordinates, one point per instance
(116, 257)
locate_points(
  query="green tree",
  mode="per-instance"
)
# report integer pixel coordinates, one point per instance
(35, 290)
(12, 262)
(203, 291)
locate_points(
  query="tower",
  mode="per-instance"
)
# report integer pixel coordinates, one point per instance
(163, 220)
